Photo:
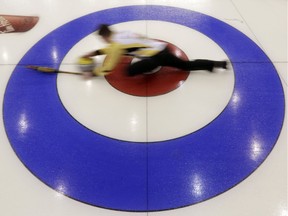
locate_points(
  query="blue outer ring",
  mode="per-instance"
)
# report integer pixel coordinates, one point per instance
(121, 175)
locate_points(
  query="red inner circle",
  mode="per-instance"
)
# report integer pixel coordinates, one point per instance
(164, 80)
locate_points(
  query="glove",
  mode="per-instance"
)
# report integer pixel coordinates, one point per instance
(98, 71)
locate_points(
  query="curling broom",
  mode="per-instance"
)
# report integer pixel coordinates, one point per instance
(51, 70)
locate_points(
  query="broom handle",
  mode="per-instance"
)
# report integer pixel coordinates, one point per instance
(51, 70)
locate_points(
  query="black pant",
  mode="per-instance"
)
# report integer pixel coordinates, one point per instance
(166, 58)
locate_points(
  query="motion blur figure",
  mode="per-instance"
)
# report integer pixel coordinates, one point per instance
(152, 54)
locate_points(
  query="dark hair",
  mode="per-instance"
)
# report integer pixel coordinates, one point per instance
(104, 30)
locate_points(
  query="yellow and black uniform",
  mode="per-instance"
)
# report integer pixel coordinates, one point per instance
(153, 53)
